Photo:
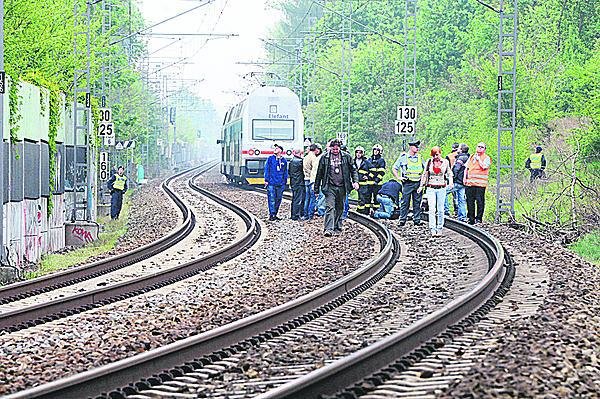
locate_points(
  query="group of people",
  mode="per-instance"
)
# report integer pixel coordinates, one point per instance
(332, 174)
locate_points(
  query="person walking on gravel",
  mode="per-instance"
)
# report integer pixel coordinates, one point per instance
(336, 177)
(310, 163)
(117, 185)
(436, 178)
(296, 173)
(411, 167)
(276, 175)
(476, 181)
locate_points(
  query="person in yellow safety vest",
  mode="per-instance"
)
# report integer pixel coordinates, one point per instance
(376, 173)
(364, 187)
(536, 163)
(117, 185)
(411, 167)
(476, 180)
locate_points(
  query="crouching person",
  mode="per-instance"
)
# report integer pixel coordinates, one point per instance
(388, 198)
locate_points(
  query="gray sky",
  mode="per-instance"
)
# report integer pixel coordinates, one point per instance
(213, 60)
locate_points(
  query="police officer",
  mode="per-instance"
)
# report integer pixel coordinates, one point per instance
(117, 185)
(364, 190)
(536, 163)
(376, 173)
(410, 165)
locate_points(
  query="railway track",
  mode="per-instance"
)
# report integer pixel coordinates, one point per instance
(185, 365)
(35, 314)
(123, 372)
(27, 288)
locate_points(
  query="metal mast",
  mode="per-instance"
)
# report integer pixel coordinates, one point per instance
(410, 53)
(507, 102)
(81, 113)
(346, 70)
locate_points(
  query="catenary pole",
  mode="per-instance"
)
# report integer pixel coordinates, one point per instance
(2, 257)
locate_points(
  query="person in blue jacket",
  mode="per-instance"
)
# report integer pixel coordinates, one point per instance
(276, 175)
(388, 198)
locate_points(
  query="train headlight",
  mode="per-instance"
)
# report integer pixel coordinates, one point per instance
(250, 152)
(257, 152)
(289, 152)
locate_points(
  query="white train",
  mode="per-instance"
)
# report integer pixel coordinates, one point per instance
(268, 116)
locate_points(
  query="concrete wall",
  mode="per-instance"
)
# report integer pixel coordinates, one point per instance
(29, 232)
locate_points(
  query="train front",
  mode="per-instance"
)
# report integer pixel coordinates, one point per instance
(273, 115)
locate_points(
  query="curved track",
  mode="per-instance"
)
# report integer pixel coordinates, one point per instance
(205, 354)
(24, 289)
(72, 304)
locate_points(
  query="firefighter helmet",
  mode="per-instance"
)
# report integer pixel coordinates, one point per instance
(359, 148)
(378, 147)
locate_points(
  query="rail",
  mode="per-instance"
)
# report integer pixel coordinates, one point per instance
(170, 359)
(25, 289)
(351, 369)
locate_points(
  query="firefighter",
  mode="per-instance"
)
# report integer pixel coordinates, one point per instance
(117, 185)
(376, 173)
(364, 190)
(536, 163)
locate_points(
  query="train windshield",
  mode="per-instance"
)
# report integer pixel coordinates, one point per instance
(268, 129)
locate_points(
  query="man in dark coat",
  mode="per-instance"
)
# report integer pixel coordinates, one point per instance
(296, 173)
(336, 176)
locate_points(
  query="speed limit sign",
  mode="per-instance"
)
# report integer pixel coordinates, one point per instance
(104, 166)
(406, 120)
(106, 128)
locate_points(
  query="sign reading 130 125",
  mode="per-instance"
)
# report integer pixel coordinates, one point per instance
(406, 120)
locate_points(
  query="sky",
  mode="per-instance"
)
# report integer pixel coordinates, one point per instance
(214, 60)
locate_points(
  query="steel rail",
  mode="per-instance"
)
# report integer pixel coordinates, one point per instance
(28, 288)
(66, 306)
(354, 368)
(179, 355)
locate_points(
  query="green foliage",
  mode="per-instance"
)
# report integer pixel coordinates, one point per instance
(54, 102)
(588, 247)
(558, 78)
(14, 104)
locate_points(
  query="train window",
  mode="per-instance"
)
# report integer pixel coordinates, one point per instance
(268, 129)
(253, 165)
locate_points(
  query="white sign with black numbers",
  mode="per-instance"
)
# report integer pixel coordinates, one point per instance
(406, 119)
(106, 128)
(104, 166)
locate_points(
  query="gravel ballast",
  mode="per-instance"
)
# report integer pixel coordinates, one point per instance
(290, 260)
(554, 353)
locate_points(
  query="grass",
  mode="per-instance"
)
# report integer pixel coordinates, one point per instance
(107, 239)
(588, 247)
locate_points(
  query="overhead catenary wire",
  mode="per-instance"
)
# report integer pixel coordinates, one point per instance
(390, 39)
(301, 57)
(207, 2)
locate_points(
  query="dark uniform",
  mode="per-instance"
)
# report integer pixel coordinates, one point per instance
(362, 166)
(117, 185)
(536, 163)
(376, 173)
